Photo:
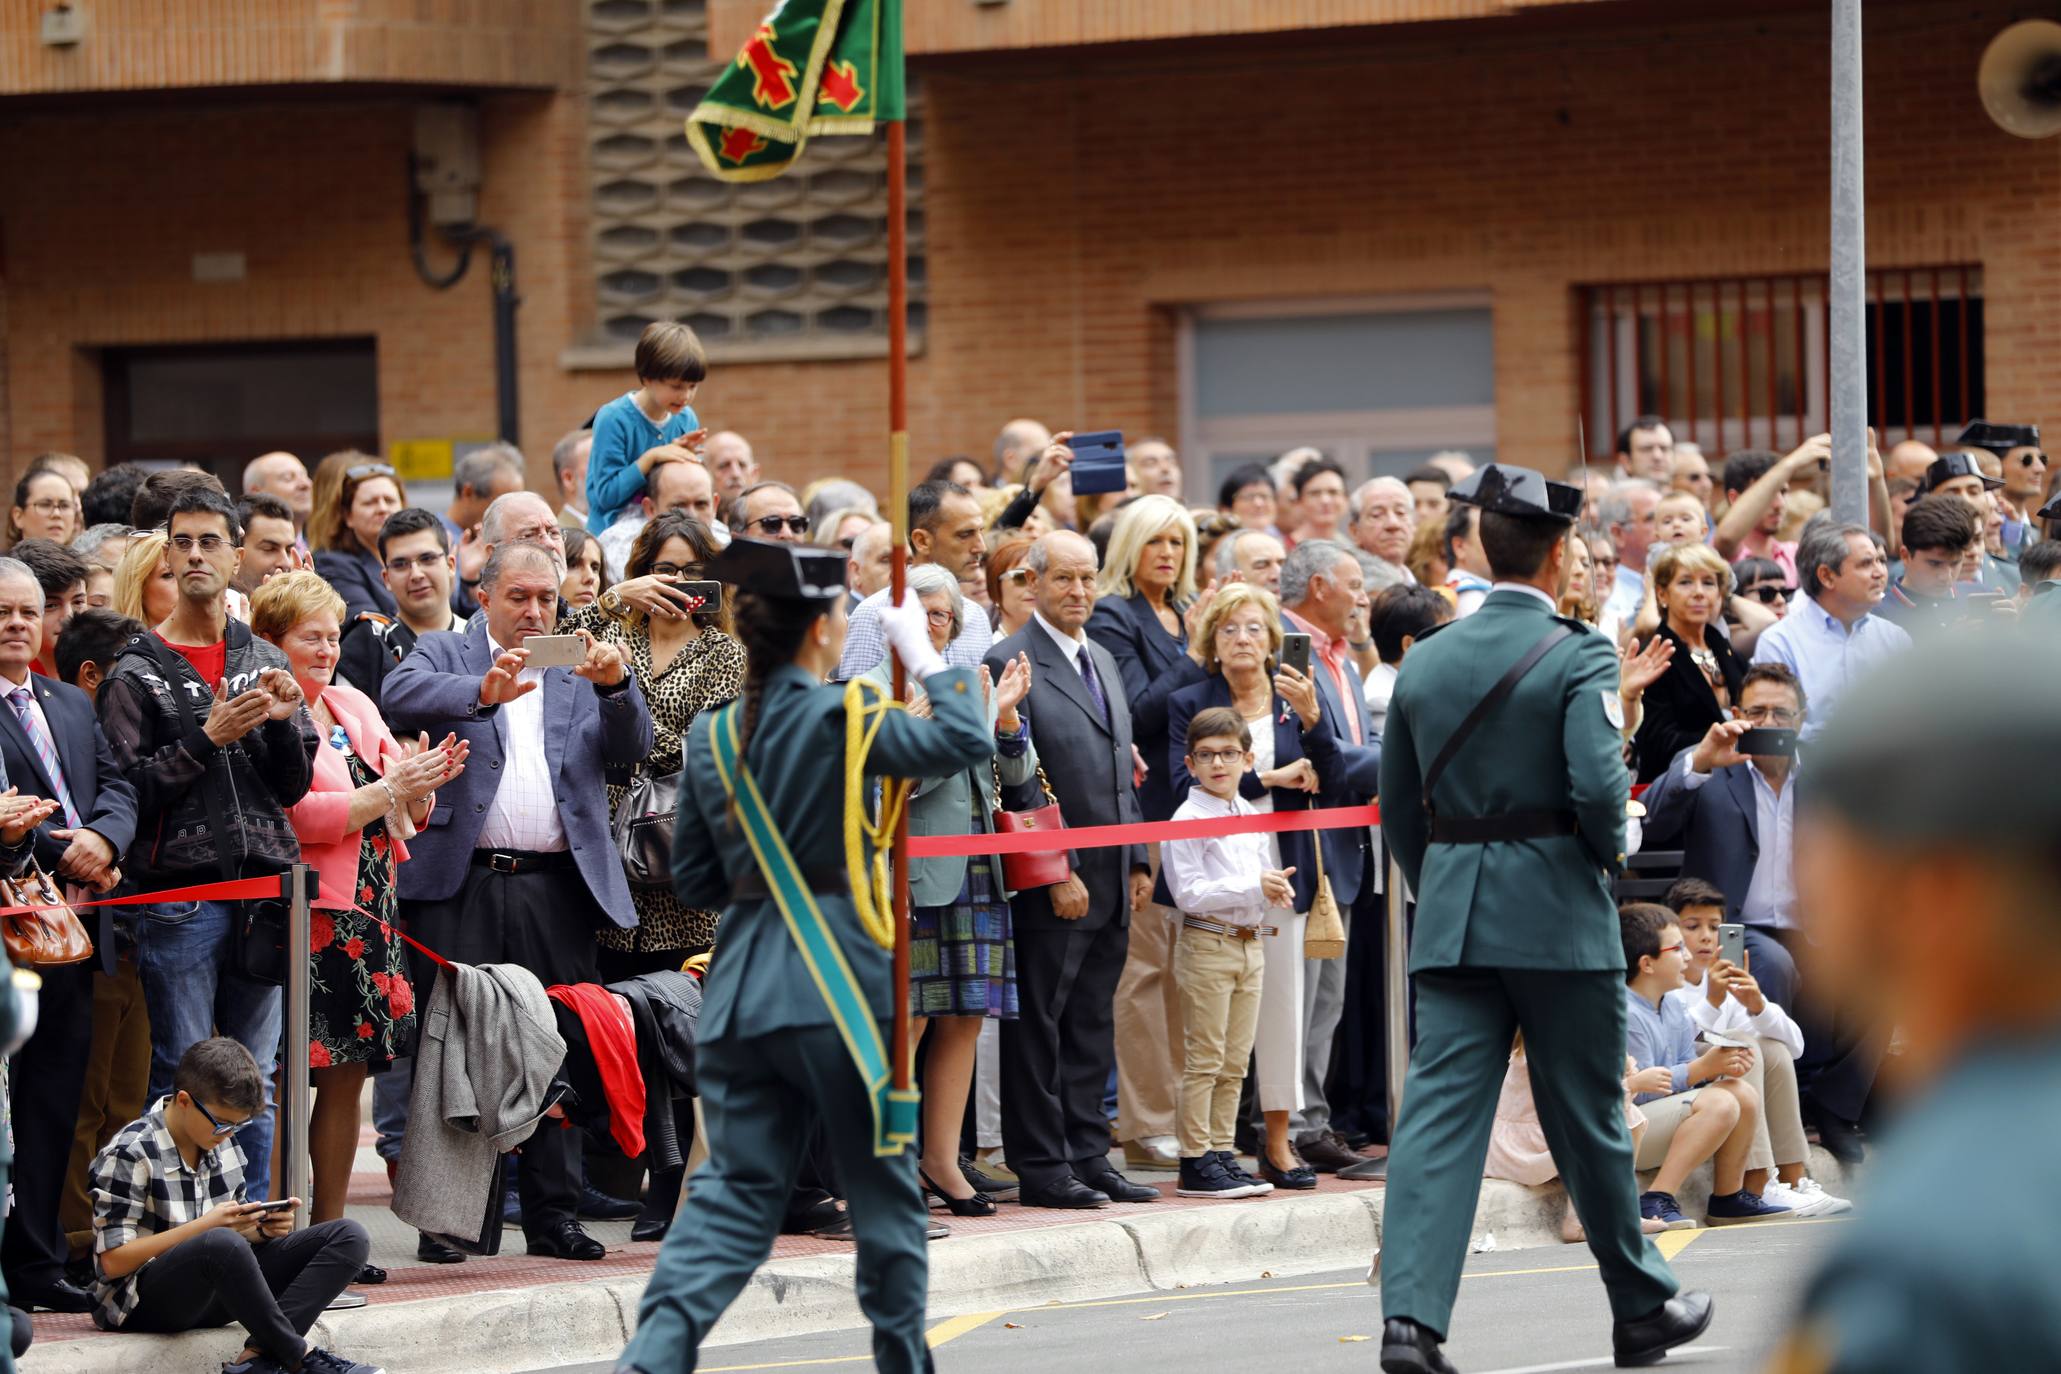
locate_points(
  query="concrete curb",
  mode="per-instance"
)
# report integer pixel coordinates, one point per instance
(528, 1328)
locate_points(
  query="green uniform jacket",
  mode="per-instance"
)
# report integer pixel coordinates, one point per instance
(757, 981)
(1553, 744)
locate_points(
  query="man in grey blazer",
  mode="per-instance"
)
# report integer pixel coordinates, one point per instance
(516, 864)
(1070, 938)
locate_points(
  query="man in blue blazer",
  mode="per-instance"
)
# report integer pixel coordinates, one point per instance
(1321, 587)
(517, 864)
(51, 746)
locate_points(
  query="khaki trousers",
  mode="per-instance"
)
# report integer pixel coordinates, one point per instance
(117, 1080)
(1779, 1138)
(1219, 978)
(1148, 1024)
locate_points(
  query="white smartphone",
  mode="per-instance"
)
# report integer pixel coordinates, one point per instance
(1732, 944)
(555, 651)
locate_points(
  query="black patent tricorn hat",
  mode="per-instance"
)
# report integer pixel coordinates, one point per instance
(789, 572)
(1510, 490)
(1998, 439)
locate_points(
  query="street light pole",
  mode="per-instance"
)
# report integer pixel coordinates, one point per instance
(1846, 307)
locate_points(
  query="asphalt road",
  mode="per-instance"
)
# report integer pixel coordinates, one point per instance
(1523, 1312)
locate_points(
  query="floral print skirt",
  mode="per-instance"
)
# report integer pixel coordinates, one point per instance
(361, 1007)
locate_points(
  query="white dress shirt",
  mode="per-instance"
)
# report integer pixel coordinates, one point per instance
(1826, 656)
(1734, 1020)
(1627, 594)
(1380, 690)
(1070, 645)
(524, 812)
(1770, 898)
(1217, 878)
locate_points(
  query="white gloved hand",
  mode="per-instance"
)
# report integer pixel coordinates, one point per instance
(907, 630)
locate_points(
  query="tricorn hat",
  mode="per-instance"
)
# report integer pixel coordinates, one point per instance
(789, 572)
(1510, 490)
(1948, 466)
(1998, 439)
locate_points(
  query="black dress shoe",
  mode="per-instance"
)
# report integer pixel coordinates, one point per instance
(1410, 1348)
(979, 1205)
(839, 1229)
(1067, 1192)
(1001, 1189)
(1365, 1171)
(651, 1228)
(60, 1296)
(1677, 1321)
(1302, 1176)
(1841, 1138)
(1117, 1188)
(430, 1250)
(1327, 1153)
(596, 1205)
(565, 1240)
(371, 1273)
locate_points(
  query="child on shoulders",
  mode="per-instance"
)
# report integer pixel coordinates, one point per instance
(630, 430)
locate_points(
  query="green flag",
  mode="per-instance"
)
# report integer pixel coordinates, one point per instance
(812, 67)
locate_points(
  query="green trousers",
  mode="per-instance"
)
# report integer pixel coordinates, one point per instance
(760, 1098)
(1574, 1040)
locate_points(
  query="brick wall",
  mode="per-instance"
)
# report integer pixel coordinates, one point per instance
(1073, 208)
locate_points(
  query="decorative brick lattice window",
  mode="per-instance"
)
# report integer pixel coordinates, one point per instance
(790, 268)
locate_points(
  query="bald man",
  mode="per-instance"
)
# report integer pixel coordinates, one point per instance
(281, 474)
(1019, 442)
(1386, 519)
(1909, 459)
(732, 463)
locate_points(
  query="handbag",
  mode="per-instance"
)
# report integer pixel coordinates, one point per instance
(643, 829)
(42, 939)
(1022, 872)
(1323, 937)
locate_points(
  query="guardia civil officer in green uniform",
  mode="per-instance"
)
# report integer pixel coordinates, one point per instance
(1503, 791)
(795, 1012)
(1933, 897)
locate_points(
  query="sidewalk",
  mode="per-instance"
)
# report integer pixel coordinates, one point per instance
(514, 1312)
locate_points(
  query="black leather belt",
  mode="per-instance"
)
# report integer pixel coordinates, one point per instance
(522, 860)
(1511, 825)
(751, 886)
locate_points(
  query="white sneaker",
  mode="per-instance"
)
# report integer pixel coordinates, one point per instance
(1807, 1189)
(1800, 1203)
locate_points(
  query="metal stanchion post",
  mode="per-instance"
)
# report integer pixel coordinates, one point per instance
(1398, 995)
(297, 886)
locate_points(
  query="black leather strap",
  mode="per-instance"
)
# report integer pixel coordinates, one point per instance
(1482, 709)
(1511, 825)
(751, 886)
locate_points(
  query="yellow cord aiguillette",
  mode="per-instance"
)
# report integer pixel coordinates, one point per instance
(866, 704)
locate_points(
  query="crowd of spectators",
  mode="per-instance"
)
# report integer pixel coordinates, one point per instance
(206, 687)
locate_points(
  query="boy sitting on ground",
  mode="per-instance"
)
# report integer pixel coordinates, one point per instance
(176, 1246)
(1698, 1106)
(1722, 998)
(1224, 889)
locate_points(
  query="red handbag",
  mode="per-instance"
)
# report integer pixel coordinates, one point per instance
(1043, 868)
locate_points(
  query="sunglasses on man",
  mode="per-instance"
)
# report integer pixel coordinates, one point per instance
(771, 524)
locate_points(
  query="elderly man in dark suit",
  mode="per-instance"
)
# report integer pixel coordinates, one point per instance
(1071, 937)
(1321, 586)
(51, 746)
(516, 864)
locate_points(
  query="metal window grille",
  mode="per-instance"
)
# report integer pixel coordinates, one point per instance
(795, 267)
(1742, 362)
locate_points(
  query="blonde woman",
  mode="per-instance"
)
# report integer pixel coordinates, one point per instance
(1145, 614)
(143, 585)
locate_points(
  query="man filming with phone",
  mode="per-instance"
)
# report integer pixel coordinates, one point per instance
(526, 869)
(1729, 803)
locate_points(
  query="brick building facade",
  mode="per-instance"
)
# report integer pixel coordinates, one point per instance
(1102, 182)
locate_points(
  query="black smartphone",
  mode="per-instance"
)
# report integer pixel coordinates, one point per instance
(284, 1204)
(1098, 462)
(1766, 742)
(1295, 652)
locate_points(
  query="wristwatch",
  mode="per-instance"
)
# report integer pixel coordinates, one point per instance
(611, 604)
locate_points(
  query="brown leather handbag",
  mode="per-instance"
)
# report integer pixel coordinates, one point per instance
(1022, 872)
(1324, 936)
(41, 939)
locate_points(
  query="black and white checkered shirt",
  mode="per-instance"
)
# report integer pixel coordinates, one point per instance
(141, 1187)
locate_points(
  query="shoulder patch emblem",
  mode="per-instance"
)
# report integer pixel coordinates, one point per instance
(1613, 708)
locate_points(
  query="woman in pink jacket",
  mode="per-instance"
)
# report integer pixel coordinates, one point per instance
(369, 795)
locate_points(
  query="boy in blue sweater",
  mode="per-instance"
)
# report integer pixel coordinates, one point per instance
(1697, 1105)
(660, 412)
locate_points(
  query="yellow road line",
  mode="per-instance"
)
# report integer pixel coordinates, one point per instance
(952, 1328)
(1672, 1243)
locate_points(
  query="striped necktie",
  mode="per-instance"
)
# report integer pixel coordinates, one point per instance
(46, 750)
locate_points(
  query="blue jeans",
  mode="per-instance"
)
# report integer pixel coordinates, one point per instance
(182, 956)
(390, 1093)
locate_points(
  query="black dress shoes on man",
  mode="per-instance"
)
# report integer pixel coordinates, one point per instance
(1410, 1348)
(1327, 1153)
(1677, 1321)
(1067, 1193)
(596, 1205)
(1840, 1137)
(565, 1240)
(430, 1250)
(650, 1228)
(1117, 1188)
(61, 1295)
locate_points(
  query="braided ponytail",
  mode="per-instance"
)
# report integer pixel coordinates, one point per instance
(771, 631)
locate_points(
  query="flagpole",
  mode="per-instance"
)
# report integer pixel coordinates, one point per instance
(897, 514)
